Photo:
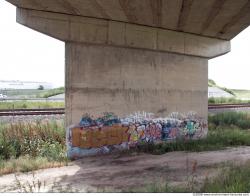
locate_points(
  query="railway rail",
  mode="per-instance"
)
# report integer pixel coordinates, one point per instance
(229, 106)
(32, 112)
(60, 111)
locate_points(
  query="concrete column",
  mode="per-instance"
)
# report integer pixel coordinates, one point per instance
(124, 80)
(123, 68)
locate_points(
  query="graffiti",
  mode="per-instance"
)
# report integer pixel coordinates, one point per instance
(109, 133)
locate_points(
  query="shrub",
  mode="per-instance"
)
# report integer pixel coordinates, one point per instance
(31, 139)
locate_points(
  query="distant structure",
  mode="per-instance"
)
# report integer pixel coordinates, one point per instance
(217, 92)
(16, 84)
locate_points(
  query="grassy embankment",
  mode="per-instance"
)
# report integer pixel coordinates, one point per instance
(240, 96)
(26, 94)
(33, 93)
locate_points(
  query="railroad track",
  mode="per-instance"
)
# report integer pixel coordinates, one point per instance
(228, 106)
(32, 112)
(60, 111)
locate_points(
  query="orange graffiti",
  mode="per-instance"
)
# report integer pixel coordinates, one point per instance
(95, 137)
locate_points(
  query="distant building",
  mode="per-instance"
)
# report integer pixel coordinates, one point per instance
(217, 92)
(16, 84)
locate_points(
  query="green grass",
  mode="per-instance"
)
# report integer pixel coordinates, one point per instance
(242, 93)
(235, 179)
(216, 140)
(228, 129)
(32, 93)
(22, 93)
(229, 119)
(27, 163)
(51, 92)
(231, 179)
(220, 100)
(43, 143)
(29, 104)
(46, 140)
(211, 83)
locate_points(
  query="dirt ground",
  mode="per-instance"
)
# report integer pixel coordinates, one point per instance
(123, 172)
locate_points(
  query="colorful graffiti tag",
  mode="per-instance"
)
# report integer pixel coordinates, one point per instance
(109, 133)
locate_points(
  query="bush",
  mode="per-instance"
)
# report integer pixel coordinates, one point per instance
(53, 151)
(32, 139)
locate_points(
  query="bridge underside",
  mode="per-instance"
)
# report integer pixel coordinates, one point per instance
(139, 55)
(221, 19)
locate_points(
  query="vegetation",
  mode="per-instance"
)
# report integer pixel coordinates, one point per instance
(41, 144)
(213, 100)
(27, 163)
(51, 92)
(211, 83)
(245, 94)
(231, 179)
(33, 93)
(29, 146)
(229, 119)
(216, 140)
(30, 104)
(234, 179)
(228, 90)
(225, 130)
(41, 87)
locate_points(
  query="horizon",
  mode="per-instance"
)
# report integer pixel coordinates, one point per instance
(32, 56)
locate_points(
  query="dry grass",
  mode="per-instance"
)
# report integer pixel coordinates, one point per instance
(26, 164)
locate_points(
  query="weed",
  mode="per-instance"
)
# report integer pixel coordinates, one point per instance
(30, 146)
(238, 119)
(28, 104)
(219, 100)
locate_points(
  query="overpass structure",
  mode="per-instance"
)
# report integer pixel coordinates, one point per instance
(124, 56)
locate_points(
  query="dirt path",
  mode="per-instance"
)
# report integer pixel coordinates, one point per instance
(118, 172)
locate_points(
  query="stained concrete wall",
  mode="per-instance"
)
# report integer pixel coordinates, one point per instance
(123, 80)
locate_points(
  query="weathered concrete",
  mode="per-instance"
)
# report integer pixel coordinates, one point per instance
(121, 80)
(99, 31)
(123, 68)
(221, 19)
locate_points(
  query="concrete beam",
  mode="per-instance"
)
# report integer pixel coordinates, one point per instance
(99, 31)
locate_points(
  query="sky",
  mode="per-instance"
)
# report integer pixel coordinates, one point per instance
(28, 55)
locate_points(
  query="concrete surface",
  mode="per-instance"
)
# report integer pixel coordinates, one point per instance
(221, 19)
(98, 31)
(121, 80)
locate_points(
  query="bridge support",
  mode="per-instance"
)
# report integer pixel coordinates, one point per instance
(124, 68)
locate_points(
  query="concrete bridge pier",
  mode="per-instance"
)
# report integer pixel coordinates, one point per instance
(123, 68)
